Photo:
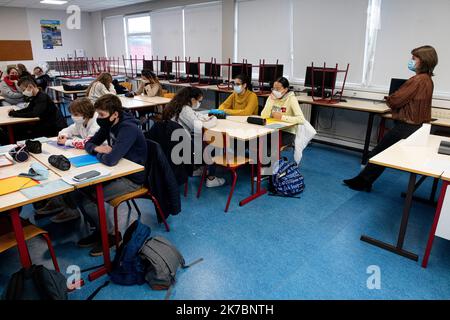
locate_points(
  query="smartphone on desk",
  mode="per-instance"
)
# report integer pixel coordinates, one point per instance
(86, 176)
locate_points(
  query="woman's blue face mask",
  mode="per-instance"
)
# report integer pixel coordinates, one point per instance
(412, 65)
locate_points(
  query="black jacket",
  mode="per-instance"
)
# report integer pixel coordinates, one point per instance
(51, 120)
(161, 180)
(161, 132)
(42, 81)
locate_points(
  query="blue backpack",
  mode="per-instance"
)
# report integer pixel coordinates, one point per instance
(128, 268)
(286, 181)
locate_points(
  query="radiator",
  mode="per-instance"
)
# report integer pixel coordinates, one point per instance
(306, 109)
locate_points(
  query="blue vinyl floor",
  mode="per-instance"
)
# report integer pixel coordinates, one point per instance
(278, 248)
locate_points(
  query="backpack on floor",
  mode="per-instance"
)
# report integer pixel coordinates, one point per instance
(163, 261)
(36, 283)
(286, 181)
(128, 268)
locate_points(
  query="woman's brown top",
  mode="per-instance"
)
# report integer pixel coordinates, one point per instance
(412, 102)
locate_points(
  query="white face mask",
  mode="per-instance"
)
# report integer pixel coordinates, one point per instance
(277, 94)
(197, 105)
(77, 120)
(238, 89)
(28, 93)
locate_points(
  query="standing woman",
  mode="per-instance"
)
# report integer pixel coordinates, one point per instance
(410, 107)
(100, 86)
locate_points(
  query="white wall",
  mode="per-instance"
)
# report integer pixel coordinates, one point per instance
(24, 24)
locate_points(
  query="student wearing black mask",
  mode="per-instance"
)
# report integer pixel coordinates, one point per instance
(125, 141)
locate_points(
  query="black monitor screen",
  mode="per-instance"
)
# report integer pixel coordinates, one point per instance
(212, 70)
(147, 65)
(166, 66)
(396, 84)
(268, 73)
(330, 78)
(240, 69)
(192, 68)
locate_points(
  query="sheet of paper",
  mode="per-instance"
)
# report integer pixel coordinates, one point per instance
(45, 189)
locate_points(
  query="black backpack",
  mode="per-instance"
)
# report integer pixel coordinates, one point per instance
(36, 283)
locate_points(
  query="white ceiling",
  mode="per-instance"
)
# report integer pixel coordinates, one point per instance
(85, 5)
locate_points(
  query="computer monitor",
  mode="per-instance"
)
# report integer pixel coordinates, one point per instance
(192, 68)
(238, 69)
(166, 66)
(268, 73)
(212, 70)
(147, 65)
(396, 84)
(330, 78)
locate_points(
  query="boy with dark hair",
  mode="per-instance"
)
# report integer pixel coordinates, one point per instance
(125, 140)
(40, 106)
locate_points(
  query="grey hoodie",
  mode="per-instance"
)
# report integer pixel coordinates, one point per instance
(11, 97)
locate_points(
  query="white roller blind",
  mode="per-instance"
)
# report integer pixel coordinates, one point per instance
(264, 32)
(114, 36)
(330, 31)
(406, 24)
(167, 33)
(203, 31)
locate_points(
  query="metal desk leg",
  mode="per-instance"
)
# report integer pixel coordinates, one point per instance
(20, 238)
(365, 156)
(11, 138)
(398, 249)
(104, 235)
(435, 224)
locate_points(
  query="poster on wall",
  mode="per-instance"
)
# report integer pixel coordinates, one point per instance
(51, 33)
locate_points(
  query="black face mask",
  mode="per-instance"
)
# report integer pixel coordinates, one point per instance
(104, 123)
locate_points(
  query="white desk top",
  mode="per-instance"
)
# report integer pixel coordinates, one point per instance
(17, 199)
(7, 120)
(243, 119)
(423, 160)
(123, 168)
(240, 130)
(153, 100)
(351, 104)
(61, 89)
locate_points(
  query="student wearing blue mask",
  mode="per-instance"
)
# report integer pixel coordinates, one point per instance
(243, 101)
(410, 107)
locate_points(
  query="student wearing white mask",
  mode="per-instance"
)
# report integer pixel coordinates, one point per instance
(243, 101)
(283, 105)
(41, 106)
(84, 124)
(182, 110)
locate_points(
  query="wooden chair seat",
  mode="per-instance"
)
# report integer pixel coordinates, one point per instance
(8, 238)
(232, 162)
(129, 196)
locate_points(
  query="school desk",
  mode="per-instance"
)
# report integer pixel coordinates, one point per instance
(9, 122)
(416, 160)
(122, 169)
(10, 203)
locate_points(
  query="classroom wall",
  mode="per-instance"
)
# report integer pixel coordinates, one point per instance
(24, 24)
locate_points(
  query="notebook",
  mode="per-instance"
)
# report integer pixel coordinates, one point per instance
(84, 160)
(13, 184)
(55, 144)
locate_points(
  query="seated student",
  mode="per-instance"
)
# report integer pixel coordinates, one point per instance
(182, 110)
(100, 86)
(40, 106)
(283, 105)
(23, 72)
(125, 141)
(149, 85)
(9, 88)
(243, 101)
(76, 135)
(411, 107)
(42, 79)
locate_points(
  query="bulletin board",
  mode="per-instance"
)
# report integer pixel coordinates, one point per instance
(13, 50)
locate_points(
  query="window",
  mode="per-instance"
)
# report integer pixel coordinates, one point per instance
(167, 26)
(203, 31)
(139, 41)
(114, 36)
